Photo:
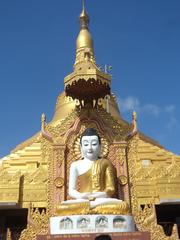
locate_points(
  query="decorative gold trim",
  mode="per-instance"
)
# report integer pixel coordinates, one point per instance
(145, 218)
(123, 180)
(59, 182)
(38, 223)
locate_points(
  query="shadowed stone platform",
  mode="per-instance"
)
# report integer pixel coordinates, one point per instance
(99, 236)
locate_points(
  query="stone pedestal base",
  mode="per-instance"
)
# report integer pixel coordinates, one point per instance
(81, 224)
(99, 236)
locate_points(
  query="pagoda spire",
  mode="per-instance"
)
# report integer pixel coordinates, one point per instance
(84, 42)
(87, 82)
(84, 18)
(83, 4)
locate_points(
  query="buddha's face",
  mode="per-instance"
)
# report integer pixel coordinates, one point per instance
(90, 147)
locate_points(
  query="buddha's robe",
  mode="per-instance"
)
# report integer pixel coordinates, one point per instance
(100, 178)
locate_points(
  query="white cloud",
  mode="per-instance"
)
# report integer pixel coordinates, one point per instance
(151, 109)
(172, 123)
(169, 108)
(132, 103)
(129, 104)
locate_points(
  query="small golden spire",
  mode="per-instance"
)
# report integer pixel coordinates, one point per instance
(84, 42)
(84, 18)
(43, 122)
(134, 121)
(83, 4)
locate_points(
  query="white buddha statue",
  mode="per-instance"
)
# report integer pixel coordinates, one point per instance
(92, 181)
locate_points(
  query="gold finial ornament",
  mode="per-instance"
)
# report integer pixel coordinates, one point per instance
(134, 121)
(84, 42)
(84, 18)
(83, 4)
(43, 121)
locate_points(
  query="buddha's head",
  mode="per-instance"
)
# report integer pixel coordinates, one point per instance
(90, 144)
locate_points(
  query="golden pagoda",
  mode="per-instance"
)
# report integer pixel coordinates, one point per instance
(34, 176)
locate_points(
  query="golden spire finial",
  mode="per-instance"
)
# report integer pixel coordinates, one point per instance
(134, 121)
(83, 5)
(43, 121)
(84, 42)
(84, 18)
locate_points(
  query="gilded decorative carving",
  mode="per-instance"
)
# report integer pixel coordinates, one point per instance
(59, 155)
(38, 223)
(59, 130)
(146, 221)
(160, 181)
(117, 155)
(173, 170)
(8, 234)
(39, 176)
(119, 130)
(117, 152)
(145, 218)
(9, 178)
(47, 156)
(59, 182)
(54, 153)
(123, 180)
(158, 171)
(9, 186)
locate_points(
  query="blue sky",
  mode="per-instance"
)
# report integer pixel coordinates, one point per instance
(140, 39)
